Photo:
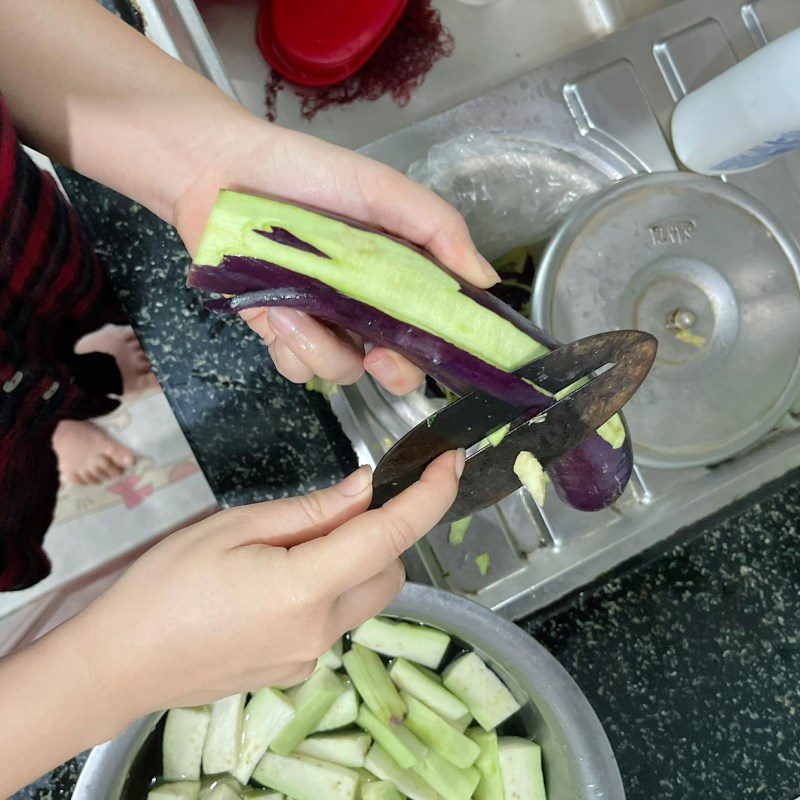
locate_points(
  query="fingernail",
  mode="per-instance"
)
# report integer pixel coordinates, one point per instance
(401, 580)
(284, 320)
(383, 368)
(488, 270)
(128, 460)
(356, 482)
(460, 461)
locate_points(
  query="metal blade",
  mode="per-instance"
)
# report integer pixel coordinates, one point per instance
(488, 476)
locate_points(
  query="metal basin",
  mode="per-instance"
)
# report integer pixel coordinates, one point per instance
(579, 762)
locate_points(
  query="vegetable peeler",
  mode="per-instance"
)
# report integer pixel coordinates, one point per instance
(620, 361)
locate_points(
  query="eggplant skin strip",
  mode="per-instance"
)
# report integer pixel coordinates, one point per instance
(590, 478)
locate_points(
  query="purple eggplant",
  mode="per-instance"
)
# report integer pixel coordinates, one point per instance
(589, 479)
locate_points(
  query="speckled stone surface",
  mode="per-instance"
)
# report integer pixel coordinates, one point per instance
(58, 785)
(693, 664)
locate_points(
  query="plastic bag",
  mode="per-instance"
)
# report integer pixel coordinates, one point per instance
(512, 190)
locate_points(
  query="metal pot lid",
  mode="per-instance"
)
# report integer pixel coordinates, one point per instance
(709, 272)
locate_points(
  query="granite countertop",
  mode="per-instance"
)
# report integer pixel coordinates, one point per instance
(693, 662)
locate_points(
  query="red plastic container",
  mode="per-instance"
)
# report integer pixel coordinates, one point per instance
(321, 42)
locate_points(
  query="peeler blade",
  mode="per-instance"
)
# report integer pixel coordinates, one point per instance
(488, 475)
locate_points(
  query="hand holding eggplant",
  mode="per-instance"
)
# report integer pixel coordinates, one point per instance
(299, 168)
(249, 597)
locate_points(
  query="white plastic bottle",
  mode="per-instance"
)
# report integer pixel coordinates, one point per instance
(744, 117)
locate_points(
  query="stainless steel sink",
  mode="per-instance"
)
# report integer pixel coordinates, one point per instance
(607, 104)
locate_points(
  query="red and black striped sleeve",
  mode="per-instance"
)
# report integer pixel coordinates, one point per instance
(52, 292)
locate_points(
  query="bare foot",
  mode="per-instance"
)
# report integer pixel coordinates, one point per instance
(120, 342)
(87, 454)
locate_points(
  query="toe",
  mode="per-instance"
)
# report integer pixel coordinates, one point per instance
(121, 456)
(134, 348)
(89, 477)
(149, 380)
(111, 468)
(99, 473)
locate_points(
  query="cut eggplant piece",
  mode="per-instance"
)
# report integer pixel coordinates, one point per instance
(380, 763)
(311, 701)
(343, 712)
(347, 749)
(485, 695)
(380, 790)
(261, 794)
(221, 747)
(373, 684)
(613, 432)
(483, 562)
(185, 732)
(495, 437)
(462, 723)
(458, 530)
(416, 682)
(398, 741)
(449, 781)
(265, 716)
(332, 658)
(531, 475)
(521, 769)
(306, 778)
(421, 644)
(488, 764)
(431, 673)
(179, 790)
(394, 295)
(438, 734)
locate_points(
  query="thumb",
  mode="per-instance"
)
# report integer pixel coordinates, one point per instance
(365, 546)
(294, 520)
